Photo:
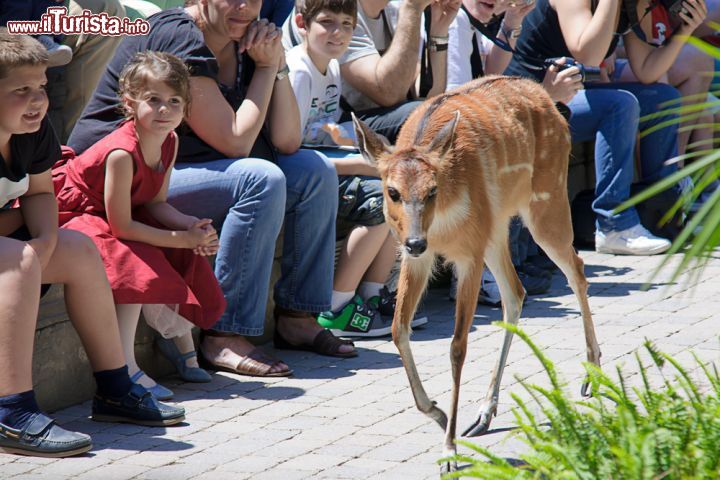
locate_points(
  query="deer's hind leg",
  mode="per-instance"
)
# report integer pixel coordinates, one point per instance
(497, 258)
(414, 274)
(550, 225)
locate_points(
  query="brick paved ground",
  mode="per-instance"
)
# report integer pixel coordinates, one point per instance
(354, 418)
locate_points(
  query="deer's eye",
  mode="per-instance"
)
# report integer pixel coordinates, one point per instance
(432, 193)
(393, 194)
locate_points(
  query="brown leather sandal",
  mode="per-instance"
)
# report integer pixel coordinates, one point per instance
(257, 363)
(254, 364)
(324, 343)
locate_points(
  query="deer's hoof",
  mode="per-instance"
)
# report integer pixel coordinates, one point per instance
(585, 390)
(447, 467)
(481, 424)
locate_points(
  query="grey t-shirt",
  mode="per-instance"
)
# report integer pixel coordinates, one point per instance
(372, 36)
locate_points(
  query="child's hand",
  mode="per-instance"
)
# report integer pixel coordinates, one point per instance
(211, 247)
(336, 133)
(201, 234)
(208, 250)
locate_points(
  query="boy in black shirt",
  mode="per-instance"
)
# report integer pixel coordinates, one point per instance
(33, 251)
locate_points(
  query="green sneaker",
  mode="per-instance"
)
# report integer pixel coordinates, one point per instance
(385, 305)
(356, 319)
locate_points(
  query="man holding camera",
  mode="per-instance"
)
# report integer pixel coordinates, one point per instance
(609, 113)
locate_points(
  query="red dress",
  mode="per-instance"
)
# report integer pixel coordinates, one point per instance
(138, 272)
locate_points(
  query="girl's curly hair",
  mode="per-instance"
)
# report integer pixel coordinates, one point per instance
(161, 66)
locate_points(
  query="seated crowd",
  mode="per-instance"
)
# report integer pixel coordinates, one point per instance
(221, 131)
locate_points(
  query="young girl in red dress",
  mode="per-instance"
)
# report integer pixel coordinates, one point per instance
(115, 192)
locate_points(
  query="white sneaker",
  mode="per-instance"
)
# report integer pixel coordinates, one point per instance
(636, 240)
(686, 185)
(58, 54)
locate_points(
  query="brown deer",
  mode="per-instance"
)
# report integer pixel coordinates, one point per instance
(464, 163)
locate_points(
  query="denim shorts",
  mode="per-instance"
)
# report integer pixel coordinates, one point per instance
(360, 203)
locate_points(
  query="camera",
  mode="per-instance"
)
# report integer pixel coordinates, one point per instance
(673, 6)
(588, 74)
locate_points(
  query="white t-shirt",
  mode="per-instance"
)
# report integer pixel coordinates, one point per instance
(460, 49)
(318, 95)
(371, 36)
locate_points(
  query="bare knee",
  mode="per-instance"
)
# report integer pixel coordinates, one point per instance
(20, 257)
(78, 248)
(30, 266)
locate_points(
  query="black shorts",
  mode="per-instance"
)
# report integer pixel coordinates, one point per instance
(23, 235)
(360, 203)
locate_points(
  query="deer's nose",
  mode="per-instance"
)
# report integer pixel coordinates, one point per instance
(415, 246)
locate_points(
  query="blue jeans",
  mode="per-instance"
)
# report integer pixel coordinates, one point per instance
(386, 121)
(248, 199)
(609, 113)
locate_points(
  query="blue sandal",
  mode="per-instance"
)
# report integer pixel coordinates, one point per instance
(42, 437)
(189, 374)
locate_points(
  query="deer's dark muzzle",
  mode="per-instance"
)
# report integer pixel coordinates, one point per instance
(415, 246)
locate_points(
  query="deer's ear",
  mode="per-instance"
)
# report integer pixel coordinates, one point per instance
(443, 141)
(371, 144)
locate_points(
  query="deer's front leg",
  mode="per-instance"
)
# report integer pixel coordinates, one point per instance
(414, 273)
(467, 294)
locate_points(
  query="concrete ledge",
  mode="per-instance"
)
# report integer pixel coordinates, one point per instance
(61, 371)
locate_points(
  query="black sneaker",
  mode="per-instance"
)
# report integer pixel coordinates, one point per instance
(543, 261)
(356, 319)
(138, 406)
(534, 285)
(385, 304)
(534, 271)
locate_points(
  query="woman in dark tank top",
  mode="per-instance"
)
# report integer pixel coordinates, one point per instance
(609, 113)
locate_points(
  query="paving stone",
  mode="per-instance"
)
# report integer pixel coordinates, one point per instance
(250, 464)
(313, 462)
(395, 452)
(282, 474)
(150, 458)
(177, 471)
(41, 476)
(69, 467)
(113, 472)
(12, 469)
(345, 472)
(216, 475)
(374, 465)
